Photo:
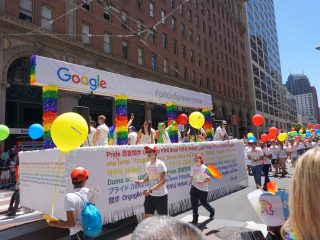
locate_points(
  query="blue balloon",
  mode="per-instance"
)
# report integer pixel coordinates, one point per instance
(308, 134)
(252, 138)
(35, 131)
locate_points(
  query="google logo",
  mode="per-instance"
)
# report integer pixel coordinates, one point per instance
(65, 75)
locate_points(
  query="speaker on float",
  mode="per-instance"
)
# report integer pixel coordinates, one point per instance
(84, 112)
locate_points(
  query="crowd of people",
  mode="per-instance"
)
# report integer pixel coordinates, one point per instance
(8, 163)
(102, 135)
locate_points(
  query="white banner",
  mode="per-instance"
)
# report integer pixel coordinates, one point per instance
(78, 78)
(114, 169)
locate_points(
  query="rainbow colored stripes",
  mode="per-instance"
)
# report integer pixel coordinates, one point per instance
(213, 171)
(111, 135)
(173, 127)
(33, 70)
(50, 113)
(207, 124)
(121, 120)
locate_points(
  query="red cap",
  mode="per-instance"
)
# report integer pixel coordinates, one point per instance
(151, 147)
(79, 174)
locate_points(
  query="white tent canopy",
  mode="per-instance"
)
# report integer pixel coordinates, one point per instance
(77, 78)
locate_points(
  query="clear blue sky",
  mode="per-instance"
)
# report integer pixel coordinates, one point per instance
(298, 25)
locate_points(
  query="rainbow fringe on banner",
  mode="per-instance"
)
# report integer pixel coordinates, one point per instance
(121, 120)
(173, 127)
(33, 70)
(207, 124)
(50, 113)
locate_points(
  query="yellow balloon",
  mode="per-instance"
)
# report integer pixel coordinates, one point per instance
(69, 131)
(196, 120)
(282, 137)
(250, 134)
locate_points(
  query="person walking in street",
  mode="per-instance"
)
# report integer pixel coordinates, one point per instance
(256, 156)
(199, 188)
(282, 157)
(274, 161)
(156, 197)
(73, 204)
(266, 163)
(15, 199)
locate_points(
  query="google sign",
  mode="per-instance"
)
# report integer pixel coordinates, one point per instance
(65, 75)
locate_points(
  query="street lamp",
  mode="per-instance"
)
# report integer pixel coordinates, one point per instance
(318, 47)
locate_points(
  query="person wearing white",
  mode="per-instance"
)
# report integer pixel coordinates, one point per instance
(156, 197)
(274, 161)
(101, 136)
(221, 133)
(266, 163)
(282, 157)
(199, 188)
(73, 203)
(132, 136)
(89, 140)
(256, 156)
(146, 135)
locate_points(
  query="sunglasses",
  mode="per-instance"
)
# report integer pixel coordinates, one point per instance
(149, 151)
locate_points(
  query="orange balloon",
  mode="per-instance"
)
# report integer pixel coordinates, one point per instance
(273, 130)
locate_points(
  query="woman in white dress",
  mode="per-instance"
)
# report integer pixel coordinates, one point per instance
(145, 135)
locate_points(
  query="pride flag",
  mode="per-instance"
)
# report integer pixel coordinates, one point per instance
(212, 171)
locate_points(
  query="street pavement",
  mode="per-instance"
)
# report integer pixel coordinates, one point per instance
(234, 215)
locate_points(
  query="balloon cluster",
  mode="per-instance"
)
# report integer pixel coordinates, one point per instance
(207, 123)
(121, 127)
(173, 128)
(4, 132)
(50, 113)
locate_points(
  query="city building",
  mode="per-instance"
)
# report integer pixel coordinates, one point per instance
(316, 104)
(305, 107)
(291, 107)
(269, 93)
(298, 84)
(198, 44)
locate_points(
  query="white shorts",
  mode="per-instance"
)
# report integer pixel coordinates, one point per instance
(5, 174)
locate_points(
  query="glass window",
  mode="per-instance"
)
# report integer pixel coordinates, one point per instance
(124, 20)
(175, 47)
(125, 50)
(107, 43)
(173, 23)
(46, 18)
(164, 40)
(172, 4)
(140, 56)
(165, 66)
(176, 70)
(152, 36)
(184, 51)
(151, 9)
(86, 4)
(154, 61)
(86, 33)
(182, 29)
(107, 12)
(189, 15)
(26, 10)
(197, 21)
(139, 25)
(139, 5)
(181, 9)
(163, 15)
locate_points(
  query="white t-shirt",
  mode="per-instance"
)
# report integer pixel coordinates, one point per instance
(153, 171)
(219, 131)
(104, 136)
(198, 175)
(73, 202)
(267, 152)
(132, 137)
(274, 150)
(166, 138)
(248, 162)
(89, 140)
(282, 153)
(255, 156)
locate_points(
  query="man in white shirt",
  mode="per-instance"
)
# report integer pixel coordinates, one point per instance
(266, 163)
(221, 133)
(156, 198)
(132, 136)
(256, 156)
(100, 138)
(73, 203)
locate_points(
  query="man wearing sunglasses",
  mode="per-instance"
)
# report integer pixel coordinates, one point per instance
(156, 197)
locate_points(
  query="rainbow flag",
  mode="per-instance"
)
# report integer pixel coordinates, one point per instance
(212, 171)
(121, 127)
(33, 70)
(207, 124)
(173, 127)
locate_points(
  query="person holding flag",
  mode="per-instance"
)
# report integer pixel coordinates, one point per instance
(199, 188)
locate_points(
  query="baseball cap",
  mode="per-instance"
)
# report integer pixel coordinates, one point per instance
(252, 141)
(79, 174)
(132, 128)
(224, 122)
(151, 147)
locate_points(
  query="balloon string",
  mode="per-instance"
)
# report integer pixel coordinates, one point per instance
(55, 187)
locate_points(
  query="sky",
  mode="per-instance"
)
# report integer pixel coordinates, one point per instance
(298, 27)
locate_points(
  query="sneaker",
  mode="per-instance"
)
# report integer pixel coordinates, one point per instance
(211, 215)
(11, 214)
(194, 222)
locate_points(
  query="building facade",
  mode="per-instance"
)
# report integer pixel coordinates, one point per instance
(316, 103)
(305, 107)
(265, 62)
(199, 45)
(298, 84)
